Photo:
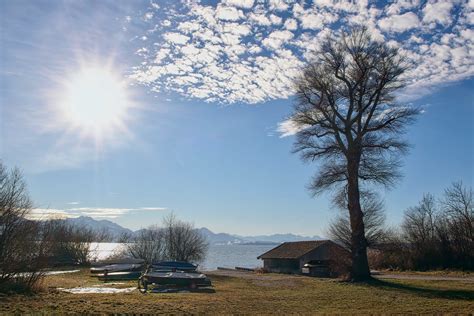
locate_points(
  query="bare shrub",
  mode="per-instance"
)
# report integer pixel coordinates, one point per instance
(375, 257)
(70, 244)
(392, 253)
(419, 227)
(175, 240)
(183, 241)
(22, 250)
(436, 234)
(457, 229)
(147, 244)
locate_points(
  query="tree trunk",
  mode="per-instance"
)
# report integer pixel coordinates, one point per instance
(360, 265)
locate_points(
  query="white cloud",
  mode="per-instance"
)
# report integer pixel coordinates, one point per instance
(245, 4)
(176, 38)
(438, 11)
(237, 29)
(148, 16)
(260, 19)
(400, 5)
(311, 21)
(277, 38)
(313, 18)
(152, 209)
(468, 35)
(96, 212)
(278, 5)
(399, 23)
(291, 24)
(288, 128)
(254, 49)
(275, 19)
(45, 214)
(228, 13)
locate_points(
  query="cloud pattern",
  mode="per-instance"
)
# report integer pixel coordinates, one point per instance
(95, 212)
(251, 51)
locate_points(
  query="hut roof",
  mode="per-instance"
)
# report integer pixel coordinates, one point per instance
(292, 250)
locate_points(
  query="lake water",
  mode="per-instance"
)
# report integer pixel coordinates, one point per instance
(229, 256)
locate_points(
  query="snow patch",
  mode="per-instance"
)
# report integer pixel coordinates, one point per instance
(61, 272)
(97, 290)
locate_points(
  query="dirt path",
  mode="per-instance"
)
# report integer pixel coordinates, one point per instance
(422, 277)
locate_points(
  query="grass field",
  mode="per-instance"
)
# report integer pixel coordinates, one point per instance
(249, 293)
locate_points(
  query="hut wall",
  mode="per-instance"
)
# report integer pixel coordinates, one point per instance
(321, 253)
(333, 256)
(282, 265)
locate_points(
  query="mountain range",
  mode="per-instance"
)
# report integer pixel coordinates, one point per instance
(115, 231)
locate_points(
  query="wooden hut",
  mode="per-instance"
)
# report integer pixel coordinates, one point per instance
(316, 257)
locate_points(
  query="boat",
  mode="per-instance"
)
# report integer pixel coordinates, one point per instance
(117, 268)
(118, 265)
(119, 276)
(172, 266)
(172, 279)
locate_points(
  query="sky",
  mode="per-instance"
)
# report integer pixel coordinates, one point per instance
(130, 110)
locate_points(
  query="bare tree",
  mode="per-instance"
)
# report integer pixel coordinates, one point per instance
(458, 205)
(175, 240)
(374, 220)
(419, 223)
(21, 249)
(439, 234)
(348, 121)
(420, 232)
(147, 244)
(183, 241)
(70, 244)
(435, 234)
(458, 212)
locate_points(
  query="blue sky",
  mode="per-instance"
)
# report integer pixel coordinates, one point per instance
(209, 85)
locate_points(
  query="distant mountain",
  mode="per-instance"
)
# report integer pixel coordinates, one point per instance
(223, 238)
(279, 238)
(115, 231)
(220, 238)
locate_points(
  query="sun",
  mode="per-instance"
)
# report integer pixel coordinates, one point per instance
(94, 100)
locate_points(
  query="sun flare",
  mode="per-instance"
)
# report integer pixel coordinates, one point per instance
(95, 100)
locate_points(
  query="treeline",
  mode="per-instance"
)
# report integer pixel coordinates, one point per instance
(438, 233)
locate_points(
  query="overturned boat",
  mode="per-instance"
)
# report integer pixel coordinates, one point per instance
(191, 280)
(168, 274)
(173, 266)
(118, 276)
(124, 267)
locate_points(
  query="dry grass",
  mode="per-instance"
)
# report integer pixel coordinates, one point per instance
(441, 273)
(255, 294)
